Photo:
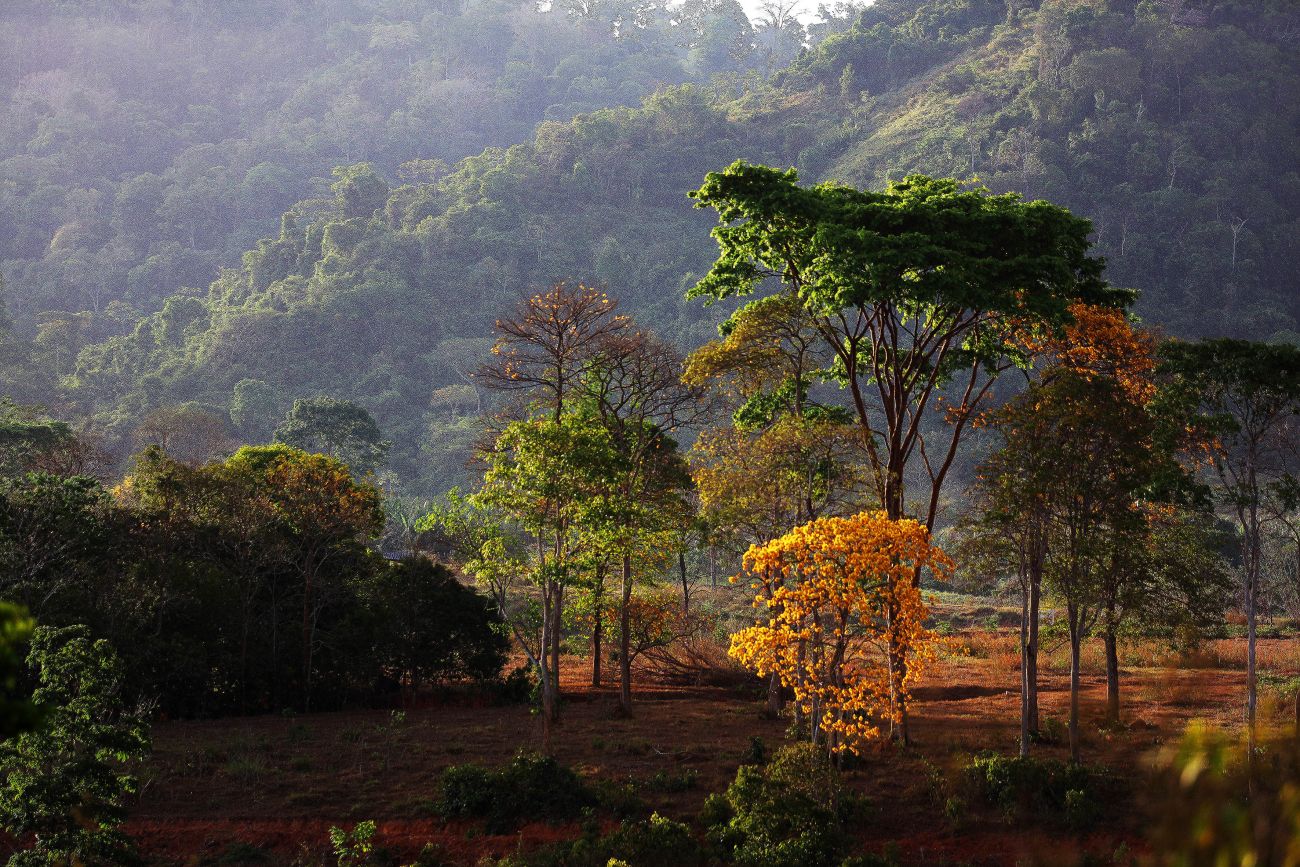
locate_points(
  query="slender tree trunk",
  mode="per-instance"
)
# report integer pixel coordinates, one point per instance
(1252, 691)
(897, 677)
(243, 660)
(1112, 677)
(550, 706)
(1253, 550)
(774, 695)
(1075, 641)
(686, 588)
(276, 694)
(1024, 669)
(1031, 649)
(598, 625)
(897, 651)
(306, 639)
(557, 636)
(625, 640)
(795, 707)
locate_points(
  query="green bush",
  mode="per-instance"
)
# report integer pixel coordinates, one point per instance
(519, 686)
(353, 848)
(790, 812)
(530, 788)
(64, 786)
(1027, 787)
(653, 842)
(620, 799)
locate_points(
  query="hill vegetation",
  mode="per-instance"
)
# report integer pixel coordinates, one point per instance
(1166, 124)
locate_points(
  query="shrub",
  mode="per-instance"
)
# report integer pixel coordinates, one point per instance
(353, 848)
(434, 629)
(64, 785)
(653, 842)
(530, 788)
(518, 687)
(788, 813)
(1050, 731)
(656, 842)
(1025, 787)
(663, 781)
(619, 799)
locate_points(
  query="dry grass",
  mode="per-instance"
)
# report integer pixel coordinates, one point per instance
(271, 782)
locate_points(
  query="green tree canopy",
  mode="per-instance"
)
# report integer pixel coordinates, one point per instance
(64, 785)
(339, 428)
(921, 287)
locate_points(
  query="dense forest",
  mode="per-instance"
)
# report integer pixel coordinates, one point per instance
(1165, 123)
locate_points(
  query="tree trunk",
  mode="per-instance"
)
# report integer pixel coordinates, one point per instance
(1075, 641)
(897, 652)
(625, 640)
(1252, 609)
(597, 626)
(773, 696)
(1024, 669)
(1031, 650)
(557, 634)
(1251, 674)
(550, 707)
(1112, 678)
(897, 677)
(306, 640)
(686, 588)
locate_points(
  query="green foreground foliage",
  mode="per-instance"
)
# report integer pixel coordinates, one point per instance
(66, 783)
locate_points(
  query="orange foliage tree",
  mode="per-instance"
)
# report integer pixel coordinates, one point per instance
(1102, 342)
(844, 599)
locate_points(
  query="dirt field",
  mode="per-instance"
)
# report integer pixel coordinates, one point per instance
(267, 789)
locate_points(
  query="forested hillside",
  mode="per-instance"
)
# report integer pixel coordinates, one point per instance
(1169, 123)
(145, 145)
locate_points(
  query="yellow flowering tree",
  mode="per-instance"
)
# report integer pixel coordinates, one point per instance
(844, 603)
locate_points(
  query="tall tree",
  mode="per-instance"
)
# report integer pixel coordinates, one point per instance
(788, 458)
(56, 540)
(1243, 395)
(17, 711)
(551, 479)
(329, 517)
(1077, 453)
(634, 390)
(1069, 495)
(544, 353)
(921, 293)
(338, 428)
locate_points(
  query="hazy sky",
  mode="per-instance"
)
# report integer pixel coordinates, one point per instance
(805, 9)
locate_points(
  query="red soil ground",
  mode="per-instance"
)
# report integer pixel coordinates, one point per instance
(278, 783)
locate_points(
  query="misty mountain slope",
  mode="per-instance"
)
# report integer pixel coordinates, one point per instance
(387, 296)
(145, 144)
(1171, 125)
(379, 308)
